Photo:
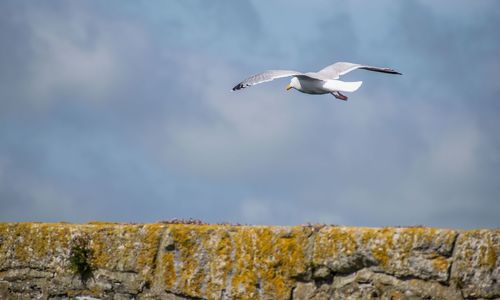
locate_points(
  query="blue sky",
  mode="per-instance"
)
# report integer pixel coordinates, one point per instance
(122, 111)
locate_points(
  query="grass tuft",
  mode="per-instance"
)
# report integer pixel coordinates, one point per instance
(80, 258)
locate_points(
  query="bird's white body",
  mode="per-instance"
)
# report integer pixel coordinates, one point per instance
(317, 87)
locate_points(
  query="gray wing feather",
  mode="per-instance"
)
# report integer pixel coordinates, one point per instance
(338, 69)
(265, 77)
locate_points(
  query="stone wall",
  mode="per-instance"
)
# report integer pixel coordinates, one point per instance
(182, 261)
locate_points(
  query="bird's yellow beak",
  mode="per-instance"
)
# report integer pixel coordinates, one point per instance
(288, 87)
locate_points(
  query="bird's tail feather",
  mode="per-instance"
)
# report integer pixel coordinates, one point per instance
(343, 86)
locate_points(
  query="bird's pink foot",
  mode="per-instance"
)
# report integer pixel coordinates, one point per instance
(339, 96)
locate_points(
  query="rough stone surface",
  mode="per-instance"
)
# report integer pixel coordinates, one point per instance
(476, 265)
(186, 261)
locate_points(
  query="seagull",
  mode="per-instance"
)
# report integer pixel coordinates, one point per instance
(325, 81)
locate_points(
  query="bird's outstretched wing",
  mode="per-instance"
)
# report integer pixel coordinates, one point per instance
(265, 77)
(338, 69)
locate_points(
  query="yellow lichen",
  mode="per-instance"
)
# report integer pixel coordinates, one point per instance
(395, 295)
(188, 240)
(246, 261)
(105, 241)
(382, 244)
(124, 247)
(150, 245)
(244, 280)
(398, 244)
(488, 256)
(168, 263)
(331, 242)
(34, 241)
(219, 248)
(441, 264)
(271, 263)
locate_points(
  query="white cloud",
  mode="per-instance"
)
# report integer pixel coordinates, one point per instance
(77, 54)
(248, 132)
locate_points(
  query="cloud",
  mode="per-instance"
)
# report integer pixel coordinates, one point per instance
(61, 64)
(235, 137)
(80, 52)
(138, 123)
(69, 53)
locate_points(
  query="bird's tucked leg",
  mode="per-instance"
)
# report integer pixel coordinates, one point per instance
(339, 96)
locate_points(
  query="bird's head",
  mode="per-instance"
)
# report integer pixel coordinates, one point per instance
(294, 83)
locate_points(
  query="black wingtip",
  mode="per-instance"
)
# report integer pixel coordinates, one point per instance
(389, 71)
(382, 70)
(238, 87)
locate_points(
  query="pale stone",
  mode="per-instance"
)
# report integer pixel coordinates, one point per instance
(304, 290)
(188, 261)
(476, 265)
(321, 272)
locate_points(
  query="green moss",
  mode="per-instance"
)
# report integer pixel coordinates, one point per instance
(80, 257)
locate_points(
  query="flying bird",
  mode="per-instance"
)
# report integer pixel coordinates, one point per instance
(325, 81)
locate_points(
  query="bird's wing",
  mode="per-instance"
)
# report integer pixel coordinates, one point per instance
(265, 77)
(338, 69)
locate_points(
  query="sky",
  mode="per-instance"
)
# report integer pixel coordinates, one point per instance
(122, 111)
